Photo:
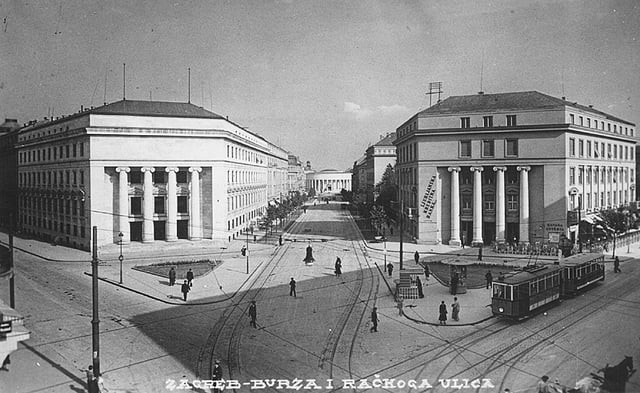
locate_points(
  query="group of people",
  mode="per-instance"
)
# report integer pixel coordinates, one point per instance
(455, 311)
(186, 286)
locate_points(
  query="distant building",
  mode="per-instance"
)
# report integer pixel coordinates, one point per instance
(153, 171)
(370, 168)
(8, 171)
(511, 167)
(330, 181)
(296, 177)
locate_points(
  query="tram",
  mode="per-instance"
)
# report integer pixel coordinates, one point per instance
(581, 271)
(520, 293)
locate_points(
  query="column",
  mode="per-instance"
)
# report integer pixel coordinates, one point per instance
(147, 208)
(195, 222)
(172, 204)
(477, 206)
(123, 203)
(524, 203)
(500, 204)
(455, 206)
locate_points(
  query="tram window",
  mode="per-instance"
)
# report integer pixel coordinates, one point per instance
(549, 281)
(556, 280)
(541, 285)
(498, 291)
(533, 288)
(508, 293)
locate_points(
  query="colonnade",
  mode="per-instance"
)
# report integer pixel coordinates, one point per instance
(195, 222)
(320, 185)
(477, 238)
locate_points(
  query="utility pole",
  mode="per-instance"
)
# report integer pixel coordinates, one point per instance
(401, 229)
(579, 222)
(95, 332)
(246, 230)
(12, 295)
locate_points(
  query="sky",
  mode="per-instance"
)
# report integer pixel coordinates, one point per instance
(323, 79)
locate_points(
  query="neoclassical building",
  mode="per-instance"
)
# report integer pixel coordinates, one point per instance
(328, 181)
(368, 171)
(511, 167)
(149, 170)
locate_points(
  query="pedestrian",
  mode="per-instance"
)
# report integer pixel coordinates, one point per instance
(253, 313)
(390, 268)
(419, 284)
(190, 277)
(489, 278)
(400, 301)
(443, 314)
(454, 283)
(338, 267)
(292, 284)
(216, 375)
(185, 289)
(616, 265)
(427, 273)
(543, 385)
(416, 257)
(455, 309)
(480, 253)
(280, 240)
(172, 276)
(92, 382)
(374, 319)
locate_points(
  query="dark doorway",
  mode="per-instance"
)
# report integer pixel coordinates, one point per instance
(488, 232)
(513, 233)
(183, 229)
(159, 231)
(466, 234)
(135, 228)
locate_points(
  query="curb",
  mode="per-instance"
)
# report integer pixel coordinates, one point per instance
(437, 324)
(230, 296)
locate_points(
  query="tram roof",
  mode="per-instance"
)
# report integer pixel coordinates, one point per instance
(527, 274)
(580, 259)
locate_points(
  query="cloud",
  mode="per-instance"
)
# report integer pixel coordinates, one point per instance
(394, 109)
(356, 110)
(361, 113)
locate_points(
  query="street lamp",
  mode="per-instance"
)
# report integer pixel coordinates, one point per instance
(120, 258)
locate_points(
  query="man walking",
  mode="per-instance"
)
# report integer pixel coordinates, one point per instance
(374, 320)
(185, 289)
(489, 278)
(292, 285)
(443, 313)
(172, 276)
(390, 268)
(455, 309)
(616, 265)
(253, 313)
(190, 277)
(416, 257)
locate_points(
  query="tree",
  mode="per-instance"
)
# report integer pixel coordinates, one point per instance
(378, 217)
(347, 196)
(387, 190)
(616, 220)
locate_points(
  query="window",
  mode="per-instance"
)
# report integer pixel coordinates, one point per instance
(75, 150)
(595, 124)
(572, 147)
(467, 201)
(581, 120)
(572, 175)
(158, 177)
(572, 119)
(181, 177)
(488, 148)
(589, 149)
(489, 202)
(465, 148)
(183, 204)
(511, 120)
(580, 175)
(81, 149)
(487, 121)
(67, 150)
(512, 202)
(158, 205)
(581, 147)
(588, 122)
(136, 206)
(465, 122)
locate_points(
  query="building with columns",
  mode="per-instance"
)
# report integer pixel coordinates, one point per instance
(511, 167)
(152, 171)
(328, 181)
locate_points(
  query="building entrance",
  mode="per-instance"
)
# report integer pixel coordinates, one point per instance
(183, 229)
(135, 229)
(513, 233)
(159, 231)
(488, 232)
(466, 232)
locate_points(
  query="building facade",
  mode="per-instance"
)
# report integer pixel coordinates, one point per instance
(372, 166)
(296, 176)
(149, 170)
(328, 181)
(511, 167)
(8, 171)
